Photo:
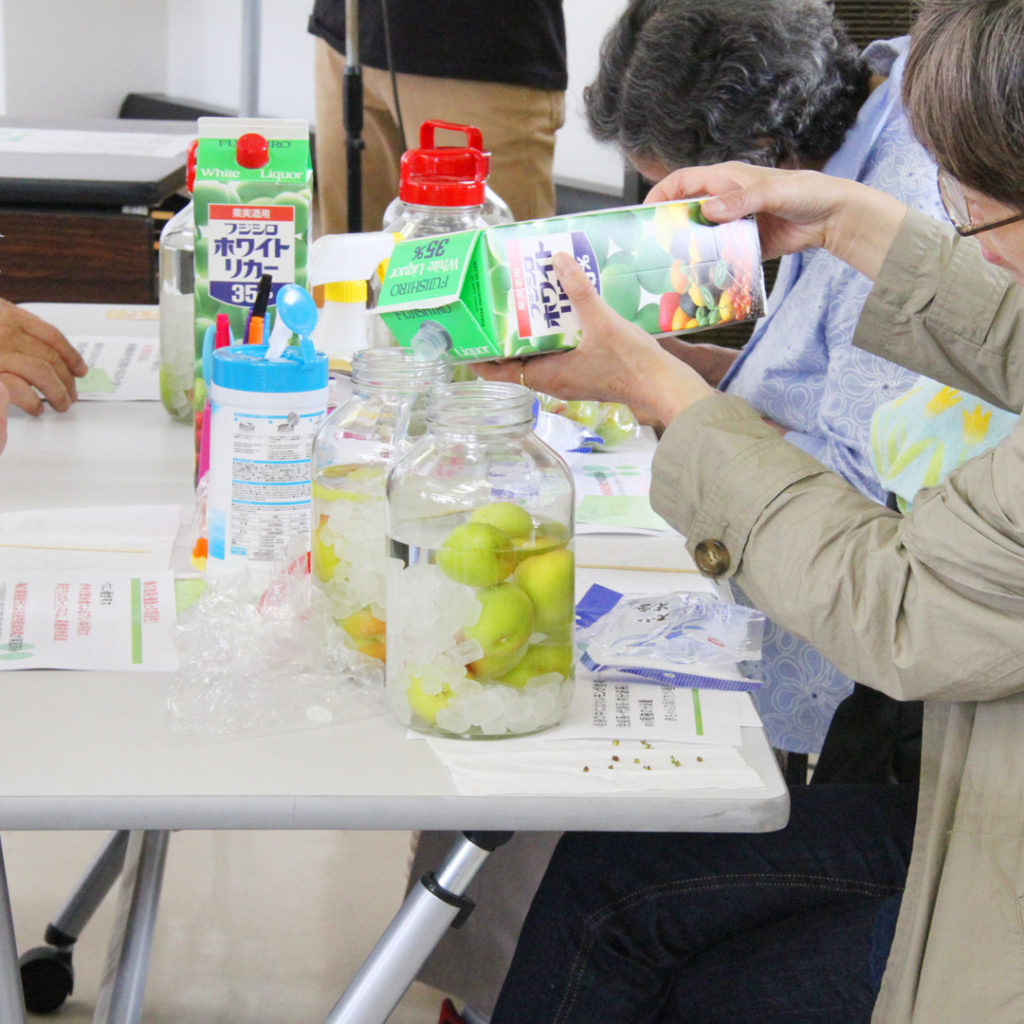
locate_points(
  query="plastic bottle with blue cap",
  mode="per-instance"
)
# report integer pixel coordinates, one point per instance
(266, 405)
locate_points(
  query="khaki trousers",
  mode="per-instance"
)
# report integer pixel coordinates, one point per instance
(518, 124)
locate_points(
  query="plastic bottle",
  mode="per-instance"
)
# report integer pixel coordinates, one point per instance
(442, 188)
(344, 264)
(264, 414)
(480, 576)
(177, 310)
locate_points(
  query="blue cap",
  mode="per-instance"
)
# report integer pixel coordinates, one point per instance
(246, 368)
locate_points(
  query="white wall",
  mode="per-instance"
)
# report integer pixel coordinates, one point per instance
(208, 68)
(578, 158)
(79, 58)
(3, 64)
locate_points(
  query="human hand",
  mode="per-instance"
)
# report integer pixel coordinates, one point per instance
(615, 361)
(795, 210)
(35, 355)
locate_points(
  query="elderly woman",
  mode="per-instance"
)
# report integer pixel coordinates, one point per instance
(683, 83)
(797, 925)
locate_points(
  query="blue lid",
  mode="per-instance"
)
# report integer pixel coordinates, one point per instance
(246, 368)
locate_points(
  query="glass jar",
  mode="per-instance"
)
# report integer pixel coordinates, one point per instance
(177, 314)
(384, 412)
(480, 573)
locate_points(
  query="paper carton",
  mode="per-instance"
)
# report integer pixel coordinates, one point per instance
(252, 198)
(493, 293)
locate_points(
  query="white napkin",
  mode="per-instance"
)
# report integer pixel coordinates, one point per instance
(537, 766)
(129, 538)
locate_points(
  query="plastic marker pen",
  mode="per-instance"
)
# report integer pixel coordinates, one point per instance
(254, 329)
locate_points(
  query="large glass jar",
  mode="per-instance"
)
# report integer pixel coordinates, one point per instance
(480, 574)
(177, 314)
(354, 448)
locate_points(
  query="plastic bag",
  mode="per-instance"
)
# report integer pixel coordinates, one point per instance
(680, 638)
(258, 660)
(612, 422)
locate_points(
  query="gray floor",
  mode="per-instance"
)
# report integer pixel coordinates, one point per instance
(254, 927)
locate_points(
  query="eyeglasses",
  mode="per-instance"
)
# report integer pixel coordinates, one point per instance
(955, 203)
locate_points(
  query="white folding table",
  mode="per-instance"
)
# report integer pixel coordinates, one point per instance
(94, 750)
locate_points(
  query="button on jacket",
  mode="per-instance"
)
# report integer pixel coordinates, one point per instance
(927, 606)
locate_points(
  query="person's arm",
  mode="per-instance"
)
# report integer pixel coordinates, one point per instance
(923, 606)
(712, 362)
(34, 355)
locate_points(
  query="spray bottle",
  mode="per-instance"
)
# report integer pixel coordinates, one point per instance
(344, 264)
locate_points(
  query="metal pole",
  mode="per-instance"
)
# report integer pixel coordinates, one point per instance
(97, 881)
(121, 997)
(428, 911)
(352, 115)
(249, 89)
(12, 1002)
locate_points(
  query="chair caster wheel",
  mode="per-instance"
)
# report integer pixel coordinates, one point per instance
(47, 978)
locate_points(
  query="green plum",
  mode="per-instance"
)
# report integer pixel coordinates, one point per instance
(477, 554)
(512, 519)
(503, 629)
(549, 581)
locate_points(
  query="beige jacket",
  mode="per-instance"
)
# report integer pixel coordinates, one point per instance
(928, 606)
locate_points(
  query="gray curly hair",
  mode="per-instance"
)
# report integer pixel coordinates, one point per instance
(688, 82)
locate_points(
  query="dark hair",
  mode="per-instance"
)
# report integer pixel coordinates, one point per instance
(689, 82)
(964, 92)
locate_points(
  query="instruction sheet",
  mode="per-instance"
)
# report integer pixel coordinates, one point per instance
(87, 620)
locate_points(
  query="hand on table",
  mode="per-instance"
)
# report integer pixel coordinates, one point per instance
(34, 355)
(615, 361)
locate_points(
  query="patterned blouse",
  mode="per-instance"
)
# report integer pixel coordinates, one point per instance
(800, 370)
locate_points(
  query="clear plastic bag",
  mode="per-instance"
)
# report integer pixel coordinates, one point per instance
(682, 638)
(611, 422)
(258, 660)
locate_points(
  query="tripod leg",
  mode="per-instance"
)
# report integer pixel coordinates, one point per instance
(12, 1004)
(430, 908)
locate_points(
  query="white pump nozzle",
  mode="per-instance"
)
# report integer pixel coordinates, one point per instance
(354, 257)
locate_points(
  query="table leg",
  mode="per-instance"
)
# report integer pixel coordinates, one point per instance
(429, 909)
(12, 1003)
(123, 988)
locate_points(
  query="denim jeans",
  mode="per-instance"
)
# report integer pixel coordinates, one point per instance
(652, 928)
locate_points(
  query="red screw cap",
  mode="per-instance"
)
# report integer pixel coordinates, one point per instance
(252, 151)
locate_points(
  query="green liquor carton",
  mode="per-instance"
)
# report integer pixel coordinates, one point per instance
(252, 198)
(493, 293)
(252, 195)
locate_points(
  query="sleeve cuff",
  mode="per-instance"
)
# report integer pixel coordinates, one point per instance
(717, 467)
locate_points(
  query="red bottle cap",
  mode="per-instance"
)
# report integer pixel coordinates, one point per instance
(252, 151)
(445, 175)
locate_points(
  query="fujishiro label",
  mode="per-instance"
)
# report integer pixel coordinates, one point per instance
(245, 243)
